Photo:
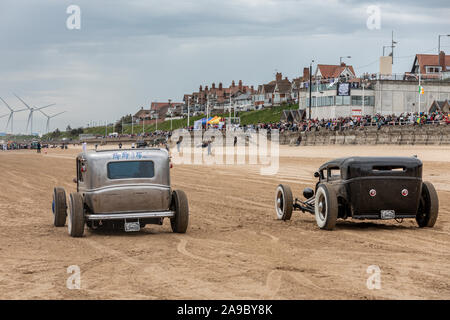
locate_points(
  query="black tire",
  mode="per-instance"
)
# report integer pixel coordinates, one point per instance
(284, 202)
(76, 215)
(180, 205)
(59, 207)
(427, 213)
(326, 207)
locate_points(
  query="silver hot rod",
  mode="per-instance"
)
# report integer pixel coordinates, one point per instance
(121, 189)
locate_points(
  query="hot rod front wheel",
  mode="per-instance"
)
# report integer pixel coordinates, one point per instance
(427, 213)
(283, 202)
(180, 221)
(326, 207)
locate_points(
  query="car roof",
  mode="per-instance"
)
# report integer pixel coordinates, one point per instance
(125, 154)
(355, 161)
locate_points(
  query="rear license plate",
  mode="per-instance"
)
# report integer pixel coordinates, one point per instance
(387, 214)
(132, 226)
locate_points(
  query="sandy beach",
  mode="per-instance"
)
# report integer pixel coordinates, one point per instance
(234, 248)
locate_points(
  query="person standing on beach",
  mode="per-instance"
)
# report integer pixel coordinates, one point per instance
(179, 144)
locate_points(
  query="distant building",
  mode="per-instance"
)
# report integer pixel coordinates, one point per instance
(243, 99)
(143, 115)
(331, 71)
(337, 92)
(400, 94)
(216, 97)
(282, 91)
(174, 109)
(274, 93)
(299, 83)
(264, 95)
(430, 66)
(159, 111)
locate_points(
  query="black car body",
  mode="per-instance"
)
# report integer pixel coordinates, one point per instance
(365, 188)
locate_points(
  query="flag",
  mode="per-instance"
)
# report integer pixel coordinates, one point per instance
(421, 90)
(332, 83)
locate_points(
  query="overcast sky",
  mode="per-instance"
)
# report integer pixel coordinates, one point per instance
(131, 52)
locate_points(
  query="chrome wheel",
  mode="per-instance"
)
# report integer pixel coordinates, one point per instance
(280, 202)
(283, 202)
(322, 206)
(326, 207)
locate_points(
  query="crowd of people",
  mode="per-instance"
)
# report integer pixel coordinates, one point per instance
(153, 134)
(336, 124)
(346, 123)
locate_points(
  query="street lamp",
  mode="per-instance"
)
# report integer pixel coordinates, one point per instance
(439, 41)
(340, 59)
(363, 84)
(188, 110)
(171, 114)
(310, 88)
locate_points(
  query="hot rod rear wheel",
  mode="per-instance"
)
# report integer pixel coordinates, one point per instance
(76, 215)
(283, 202)
(326, 207)
(427, 213)
(180, 205)
(59, 207)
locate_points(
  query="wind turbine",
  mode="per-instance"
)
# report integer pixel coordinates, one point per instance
(30, 115)
(47, 126)
(11, 115)
(5, 115)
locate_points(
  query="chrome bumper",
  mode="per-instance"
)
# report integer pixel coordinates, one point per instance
(137, 215)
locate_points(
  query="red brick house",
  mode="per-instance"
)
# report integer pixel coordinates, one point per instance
(331, 71)
(158, 110)
(430, 65)
(217, 96)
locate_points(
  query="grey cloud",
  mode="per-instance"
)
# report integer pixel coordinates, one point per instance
(128, 53)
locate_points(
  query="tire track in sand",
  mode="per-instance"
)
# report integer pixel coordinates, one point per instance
(164, 276)
(181, 248)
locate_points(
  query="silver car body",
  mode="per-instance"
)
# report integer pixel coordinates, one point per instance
(135, 197)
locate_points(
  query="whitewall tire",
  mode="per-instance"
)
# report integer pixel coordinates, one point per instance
(283, 202)
(326, 207)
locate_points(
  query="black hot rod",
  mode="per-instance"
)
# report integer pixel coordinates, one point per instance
(365, 188)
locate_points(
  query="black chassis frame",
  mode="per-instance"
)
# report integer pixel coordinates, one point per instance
(389, 170)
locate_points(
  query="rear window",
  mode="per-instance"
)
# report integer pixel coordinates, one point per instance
(131, 169)
(389, 168)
